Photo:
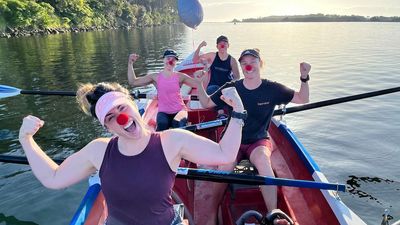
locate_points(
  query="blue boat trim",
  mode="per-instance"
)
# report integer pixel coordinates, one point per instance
(309, 162)
(86, 205)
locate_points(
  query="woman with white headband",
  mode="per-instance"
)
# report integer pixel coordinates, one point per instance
(137, 166)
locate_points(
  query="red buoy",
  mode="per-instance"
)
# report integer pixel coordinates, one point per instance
(122, 119)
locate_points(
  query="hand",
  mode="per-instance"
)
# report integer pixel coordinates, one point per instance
(232, 98)
(304, 69)
(202, 44)
(205, 63)
(132, 58)
(200, 76)
(30, 125)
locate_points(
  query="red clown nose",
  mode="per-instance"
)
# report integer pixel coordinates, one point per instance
(171, 63)
(122, 119)
(222, 46)
(248, 67)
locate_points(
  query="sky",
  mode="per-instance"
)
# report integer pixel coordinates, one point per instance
(226, 10)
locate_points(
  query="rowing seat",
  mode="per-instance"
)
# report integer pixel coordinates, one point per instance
(243, 167)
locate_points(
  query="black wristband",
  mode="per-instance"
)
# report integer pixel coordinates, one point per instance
(304, 80)
(237, 115)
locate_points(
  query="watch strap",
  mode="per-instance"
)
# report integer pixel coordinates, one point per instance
(237, 115)
(304, 80)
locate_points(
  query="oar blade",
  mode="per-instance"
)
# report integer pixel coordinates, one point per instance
(8, 91)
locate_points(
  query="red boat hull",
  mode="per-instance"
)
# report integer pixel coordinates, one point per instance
(289, 160)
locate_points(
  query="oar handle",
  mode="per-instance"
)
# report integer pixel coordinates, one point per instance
(152, 96)
(205, 125)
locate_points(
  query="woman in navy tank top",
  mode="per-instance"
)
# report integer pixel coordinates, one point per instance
(137, 166)
(223, 67)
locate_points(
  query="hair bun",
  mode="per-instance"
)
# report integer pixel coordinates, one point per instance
(83, 97)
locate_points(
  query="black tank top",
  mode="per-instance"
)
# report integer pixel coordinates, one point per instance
(221, 71)
(259, 104)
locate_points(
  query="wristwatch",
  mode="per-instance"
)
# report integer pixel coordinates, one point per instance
(304, 80)
(238, 115)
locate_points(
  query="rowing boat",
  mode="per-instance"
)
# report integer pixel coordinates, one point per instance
(290, 159)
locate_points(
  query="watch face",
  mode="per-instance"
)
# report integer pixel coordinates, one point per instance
(245, 114)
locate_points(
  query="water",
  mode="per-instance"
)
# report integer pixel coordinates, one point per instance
(356, 142)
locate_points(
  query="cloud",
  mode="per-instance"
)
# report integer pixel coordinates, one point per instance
(210, 3)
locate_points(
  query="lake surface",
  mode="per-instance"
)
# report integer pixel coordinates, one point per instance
(356, 142)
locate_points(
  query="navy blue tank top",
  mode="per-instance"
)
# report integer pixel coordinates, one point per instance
(221, 71)
(138, 188)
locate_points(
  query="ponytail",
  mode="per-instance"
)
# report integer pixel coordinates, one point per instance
(88, 94)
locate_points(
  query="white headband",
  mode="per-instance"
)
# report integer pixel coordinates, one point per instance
(107, 102)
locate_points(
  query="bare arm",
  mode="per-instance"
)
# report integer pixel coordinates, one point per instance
(235, 69)
(194, 148)
(75, 168)
(196, 55)
(204, 99)
(137, 81)
(201, 150)
(184, 78)
(303, 95)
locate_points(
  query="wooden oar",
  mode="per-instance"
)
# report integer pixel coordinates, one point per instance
(8, 91)
(21, 159)
(335, 101)
(220, 176)
(221, 122)
(228, 177)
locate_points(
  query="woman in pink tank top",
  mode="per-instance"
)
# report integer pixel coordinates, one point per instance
(137, 166)
(168, 84)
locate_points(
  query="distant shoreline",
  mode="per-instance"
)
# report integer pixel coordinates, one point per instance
(319, 18)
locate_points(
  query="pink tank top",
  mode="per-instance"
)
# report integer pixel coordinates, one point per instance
(169, 94)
